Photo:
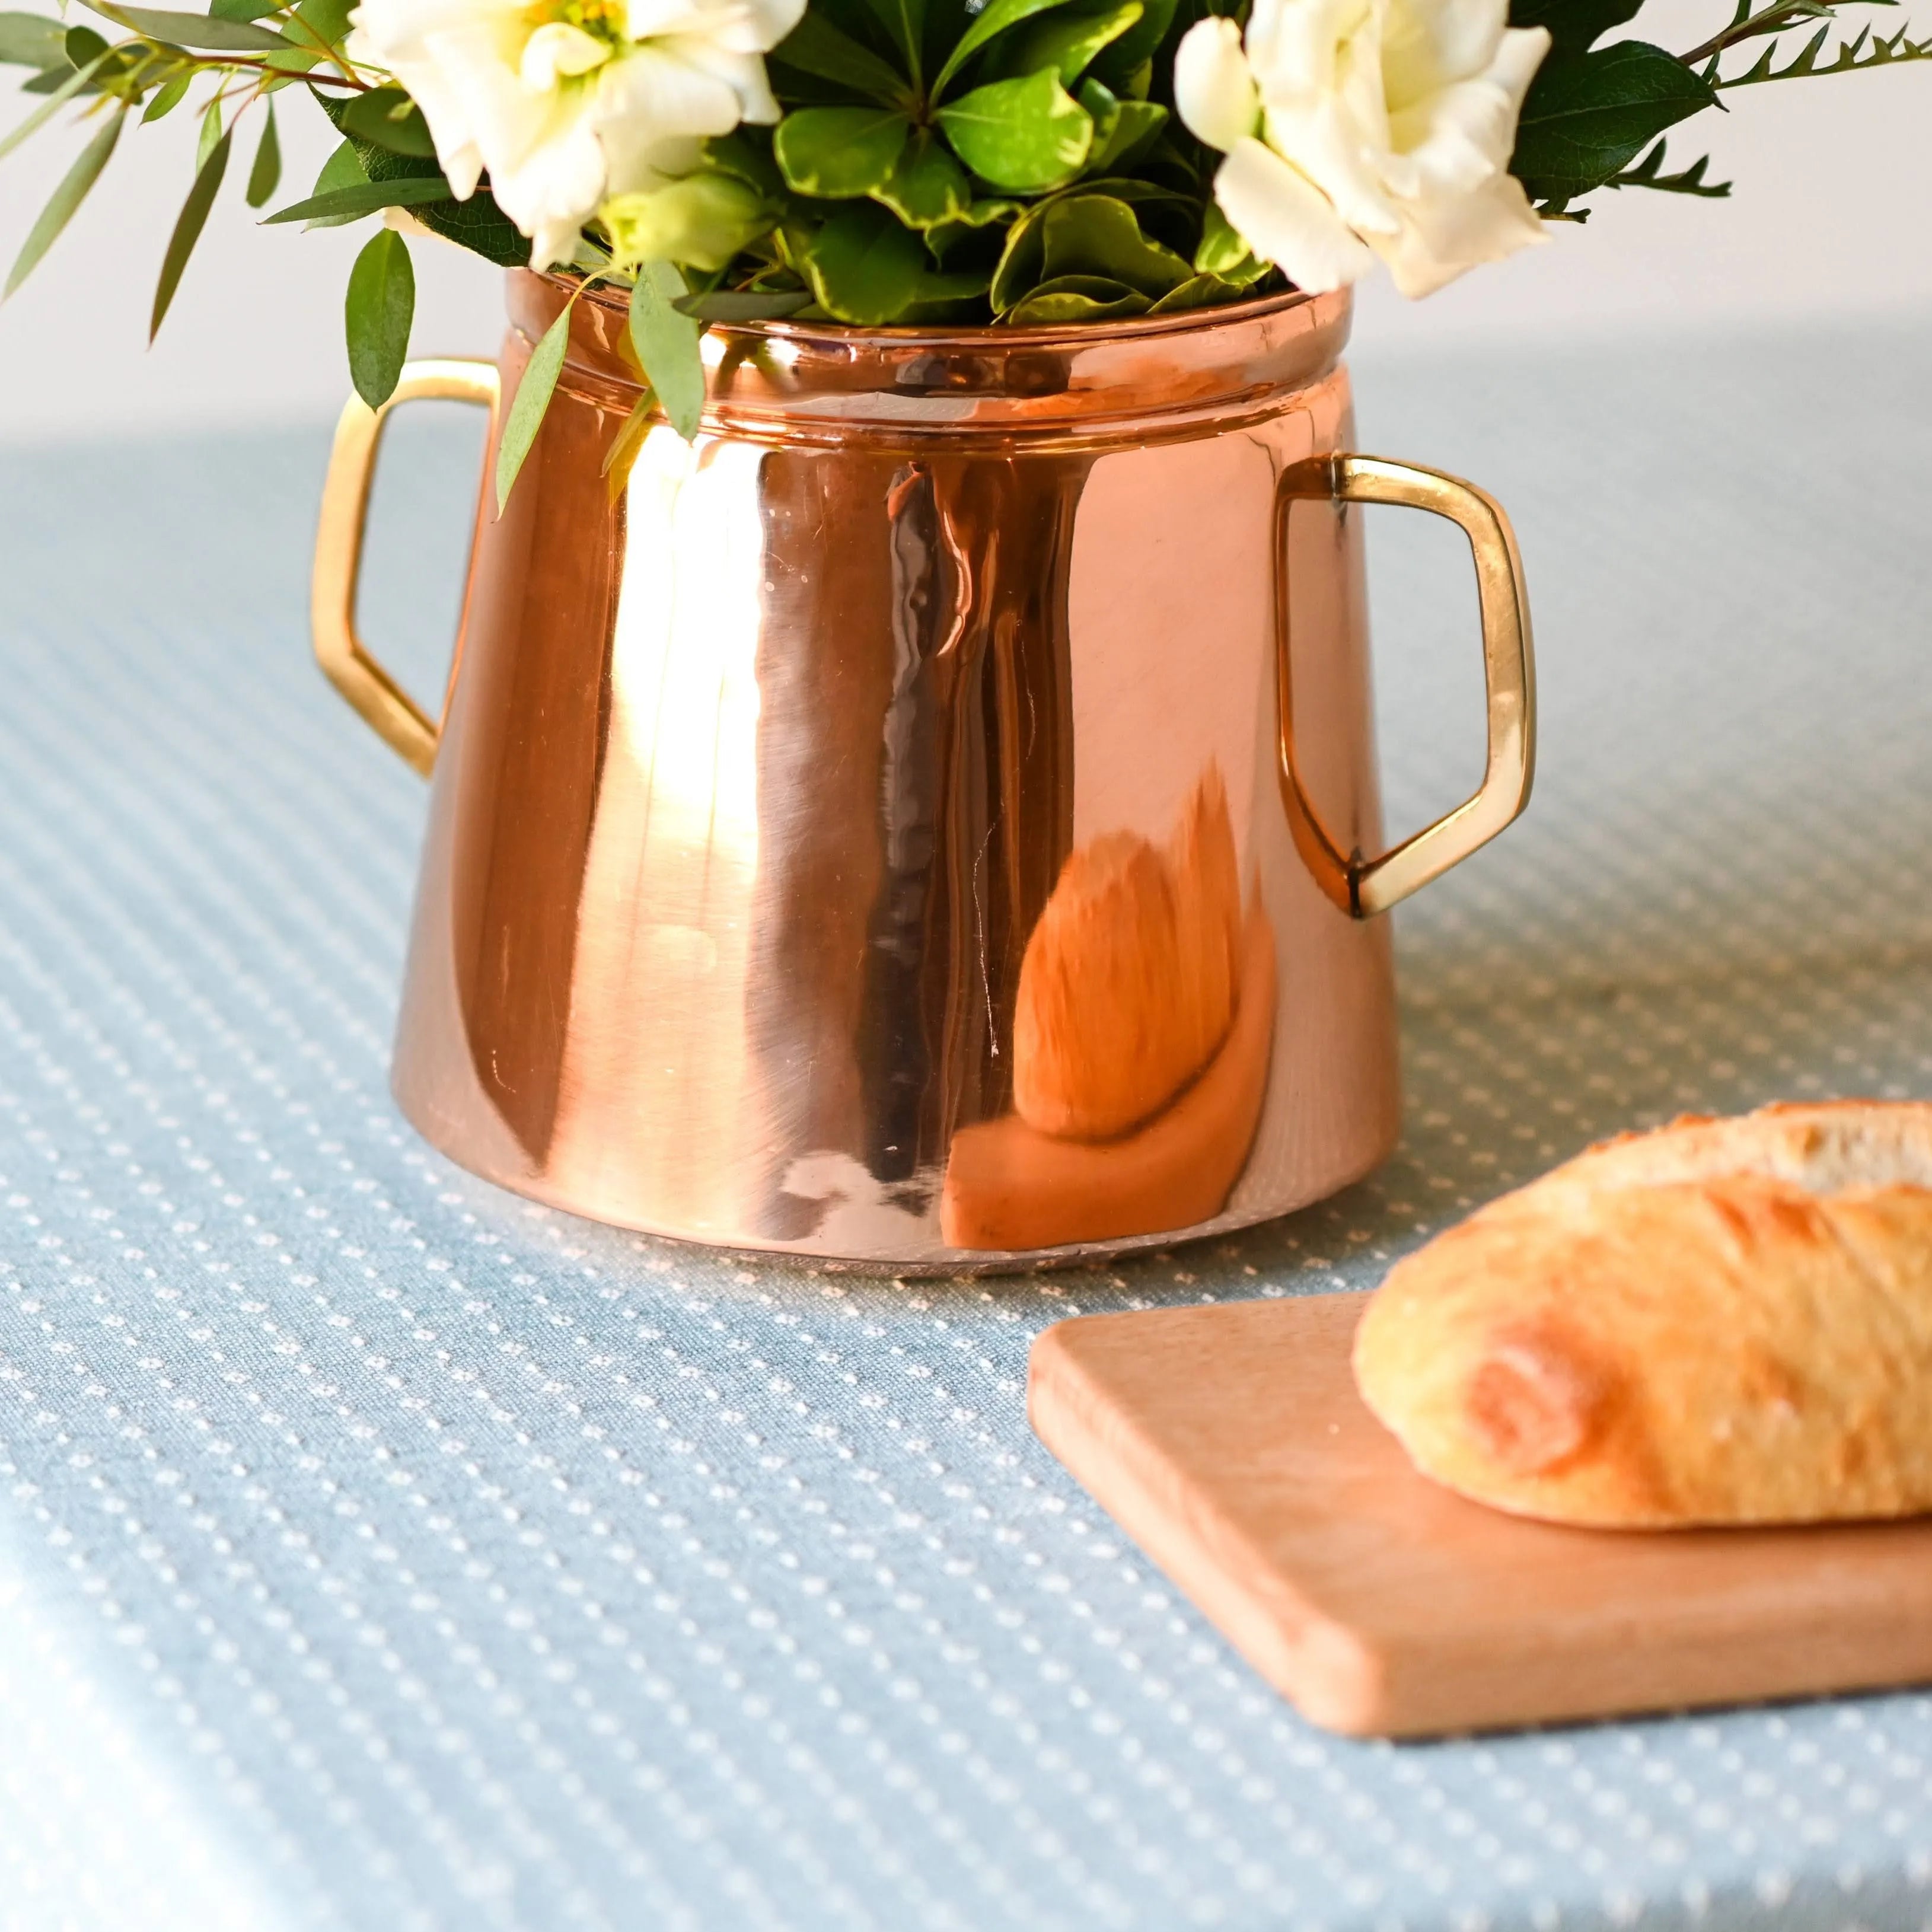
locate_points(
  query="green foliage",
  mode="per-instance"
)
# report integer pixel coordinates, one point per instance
(266, 176)
(1865, 49)
(377, 310)
(1589, 115)
(367, 197)
(31, 39)
(65, 199)
(666, 342)
(388, 119)
(1649, 172)
(1026, 135)
(530, 404)
(188, 225)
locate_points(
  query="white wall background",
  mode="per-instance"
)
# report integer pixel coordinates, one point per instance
(1832, 214)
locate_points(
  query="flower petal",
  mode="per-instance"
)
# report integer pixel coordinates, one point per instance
(1214, 88)
(1286, 220)
(1444, 236)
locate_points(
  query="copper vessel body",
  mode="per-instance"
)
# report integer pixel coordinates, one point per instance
(864, 833)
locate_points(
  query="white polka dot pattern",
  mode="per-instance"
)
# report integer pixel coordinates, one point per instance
(382, 1552)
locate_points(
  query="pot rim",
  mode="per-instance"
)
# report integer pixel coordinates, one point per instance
(1065, 334)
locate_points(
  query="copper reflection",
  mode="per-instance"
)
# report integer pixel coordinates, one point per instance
(756, 777)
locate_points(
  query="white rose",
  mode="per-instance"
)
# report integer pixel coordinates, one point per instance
(1359, 128)
(567, 101)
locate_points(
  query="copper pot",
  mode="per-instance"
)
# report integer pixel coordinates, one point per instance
(922, 824)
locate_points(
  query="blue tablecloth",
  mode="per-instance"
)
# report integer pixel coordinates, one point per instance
(378, 1552)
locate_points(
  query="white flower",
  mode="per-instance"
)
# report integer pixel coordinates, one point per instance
(1355, 128)
(567, 101)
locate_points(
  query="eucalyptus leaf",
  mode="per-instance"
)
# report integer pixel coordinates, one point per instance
(623, 453)
(31, 39)
(839, 152)
(1096, 234)
(1586, 119)
(194, 30)
(367, 198)
(1067, 39)
(266, 176)
(50, 107)
(168, 96)
(1026, 134)
(210, 133)
(815, 46)
(927, 186)
(529, 405)
(377, 311)
(1076, 298)
(65, 199)
(188, 225)
(991, 21)
(388, 117)
(243, 9)
(666, 340)
(864, 266)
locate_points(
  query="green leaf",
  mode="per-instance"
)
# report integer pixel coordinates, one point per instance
(743, 305)
(388, 117)
(50, 107)
(1123, 130)
(530, 404)
(31, 39)
(351, 202)
(380, 305)
(623, 453)
(839, 152)
(1028, 134)
(243, 9)
(1067, 39)
(65, 199)
(81, 45)
(211, 133)
(666, 340)
(815, 46)
(1075, 299)
(904, 21)
(1095, 235)
(927, 186)
(194, 30)
(1198, 291)
(188, 226)
(989, 24)
(168, 96)
(266, 176)
(1588, 119)
(865, 265)
(1143, 40)
(1575, 25)
(1853, 57)
(1649, 172)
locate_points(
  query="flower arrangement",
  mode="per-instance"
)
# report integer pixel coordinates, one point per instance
(883, 163)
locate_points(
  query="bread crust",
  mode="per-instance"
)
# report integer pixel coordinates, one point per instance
(1725, 1321)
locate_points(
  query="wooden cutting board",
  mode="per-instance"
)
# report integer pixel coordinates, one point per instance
(1229, 1442)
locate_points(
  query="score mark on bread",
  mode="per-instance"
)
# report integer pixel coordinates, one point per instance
(1725, 1321)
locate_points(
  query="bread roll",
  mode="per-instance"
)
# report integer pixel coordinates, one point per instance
(1724, 1321)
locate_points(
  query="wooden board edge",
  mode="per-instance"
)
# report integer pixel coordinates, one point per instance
(1328, 1671)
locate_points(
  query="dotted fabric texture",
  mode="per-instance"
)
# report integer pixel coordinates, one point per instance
(378, 1552)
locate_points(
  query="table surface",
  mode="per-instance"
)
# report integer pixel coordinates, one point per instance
(377, 1551)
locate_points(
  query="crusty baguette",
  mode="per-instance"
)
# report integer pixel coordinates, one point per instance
(1724, 1321)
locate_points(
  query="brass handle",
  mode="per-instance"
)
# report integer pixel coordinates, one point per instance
(1365, 886)
(395, 716)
